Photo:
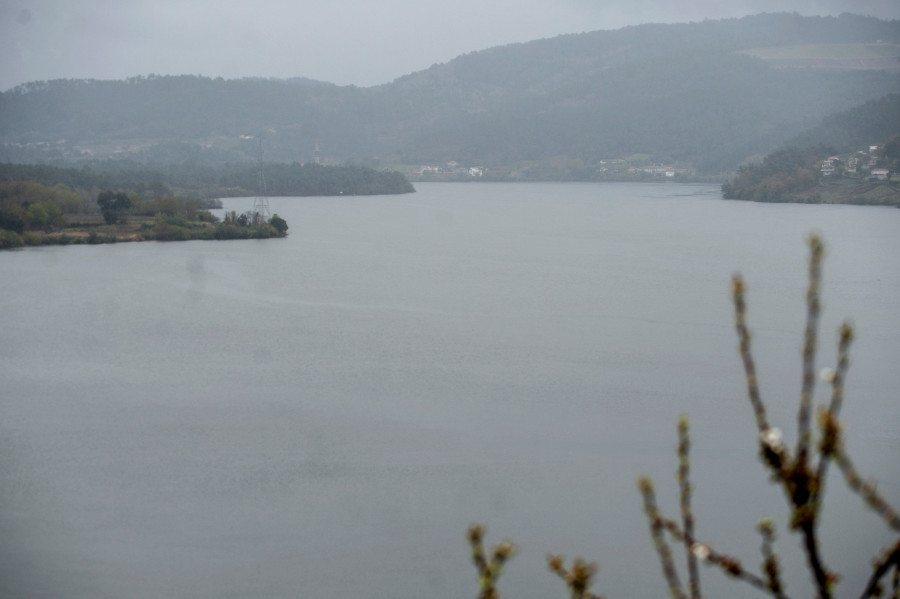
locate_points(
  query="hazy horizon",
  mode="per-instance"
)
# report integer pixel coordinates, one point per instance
(343, 42)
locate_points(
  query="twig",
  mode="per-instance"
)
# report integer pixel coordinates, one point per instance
(729, 564)
(829, 419)
(825, 579)
(895, 583)
(797, 479)
(845, 338)
(687, 516)
(577, 578)
(770, 564)
(891, 559)
(866, 490)
(659, 540)
(809, 348)
(488, 570)
(738, 288)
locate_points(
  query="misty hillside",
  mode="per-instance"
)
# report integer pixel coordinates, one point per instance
(705, 96)
(874, 122)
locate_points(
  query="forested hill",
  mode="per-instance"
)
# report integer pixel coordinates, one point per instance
(835, 161)
(702, 96)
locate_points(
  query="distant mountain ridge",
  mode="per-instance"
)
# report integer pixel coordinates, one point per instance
(559, 108)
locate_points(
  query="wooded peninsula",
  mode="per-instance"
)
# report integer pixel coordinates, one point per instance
(42, 204)
(852, 157)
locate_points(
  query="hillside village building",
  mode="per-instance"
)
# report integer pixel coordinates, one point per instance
(861, 160)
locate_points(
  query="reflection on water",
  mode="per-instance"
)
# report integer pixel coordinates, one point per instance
(324, 415)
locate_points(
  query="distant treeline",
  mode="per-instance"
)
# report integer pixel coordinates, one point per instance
(316, 180)
(144, 183)
(204, 182)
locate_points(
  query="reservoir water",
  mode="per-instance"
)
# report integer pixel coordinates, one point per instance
(324, 415)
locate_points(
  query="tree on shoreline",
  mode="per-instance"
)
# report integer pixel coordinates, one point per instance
(279, 224)
(114, 206)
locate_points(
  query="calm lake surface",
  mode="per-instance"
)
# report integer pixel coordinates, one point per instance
(324, 415)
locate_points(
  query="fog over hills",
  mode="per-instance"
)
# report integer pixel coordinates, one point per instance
(701, 96)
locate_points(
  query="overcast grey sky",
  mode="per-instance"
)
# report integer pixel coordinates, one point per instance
(361, 42)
